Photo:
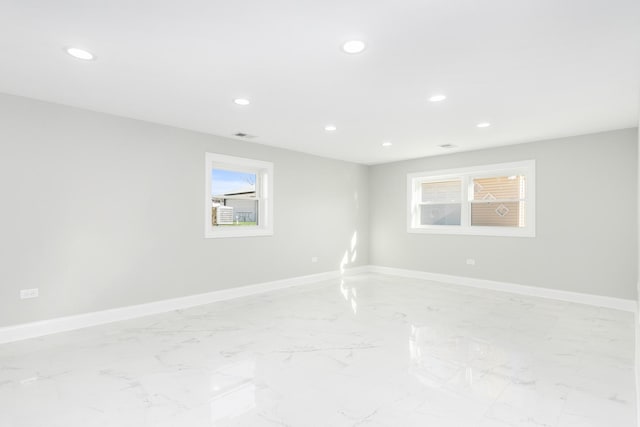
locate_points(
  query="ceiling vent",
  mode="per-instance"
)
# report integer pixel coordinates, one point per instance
(244, 135)
(447, 146)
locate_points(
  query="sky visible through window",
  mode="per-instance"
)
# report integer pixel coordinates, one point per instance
(227, 181)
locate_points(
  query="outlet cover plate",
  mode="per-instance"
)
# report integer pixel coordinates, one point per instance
(29, 293)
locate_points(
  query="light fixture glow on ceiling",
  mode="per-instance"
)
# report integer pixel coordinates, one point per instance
(242, 101)
(354, 46)
(330, 128)
(437, 98)
(483, 125)
(80, 54)
(387, 144)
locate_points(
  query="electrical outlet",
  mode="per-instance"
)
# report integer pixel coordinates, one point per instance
(314, 259)
(29, 293)
(471, 261)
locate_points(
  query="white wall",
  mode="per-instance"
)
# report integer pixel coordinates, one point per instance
(586, 218)
(100, 212)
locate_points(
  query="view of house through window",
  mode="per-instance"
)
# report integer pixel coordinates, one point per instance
(441, 202)
(490, 200)
(234, 199)
(499, 201)
(238, 196)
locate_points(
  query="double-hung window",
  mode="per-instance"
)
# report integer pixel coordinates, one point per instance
(494, 200)
(238, 196)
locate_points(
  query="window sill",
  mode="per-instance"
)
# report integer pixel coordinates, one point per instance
(475, 231)
(235, 232)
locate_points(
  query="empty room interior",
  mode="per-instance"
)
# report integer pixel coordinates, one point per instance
(330, 213)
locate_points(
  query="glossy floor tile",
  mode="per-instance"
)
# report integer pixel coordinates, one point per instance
(367, 350)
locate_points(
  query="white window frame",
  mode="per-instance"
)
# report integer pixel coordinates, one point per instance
(264, 193)
(466, 176)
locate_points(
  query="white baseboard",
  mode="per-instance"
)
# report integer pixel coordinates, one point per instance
(637, 367)
(589, 299)
(68, 323)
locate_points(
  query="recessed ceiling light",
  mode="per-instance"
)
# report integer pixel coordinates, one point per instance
(330, 128)
(354, 46)
(80, 53)
(483, 125)
(437, 98)
(242, 101)
(387, 144)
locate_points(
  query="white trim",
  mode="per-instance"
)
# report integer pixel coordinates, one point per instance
(637, 366)
(490, 169)
(68, 323)
(264, 189)
(577, 297)
(474, 231)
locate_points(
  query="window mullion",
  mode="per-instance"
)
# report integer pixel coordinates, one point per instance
(415, 202)
(465, 202)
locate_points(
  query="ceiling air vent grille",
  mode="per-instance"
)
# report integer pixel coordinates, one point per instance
(243, 135)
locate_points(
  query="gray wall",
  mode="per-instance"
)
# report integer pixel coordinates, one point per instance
(100, 212)
(586, 218)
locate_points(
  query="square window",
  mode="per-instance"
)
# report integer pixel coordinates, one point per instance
(239, 196)
(234, 198)
(499, 201)
(441, 202)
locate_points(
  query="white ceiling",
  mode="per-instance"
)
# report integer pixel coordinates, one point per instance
(535, 69)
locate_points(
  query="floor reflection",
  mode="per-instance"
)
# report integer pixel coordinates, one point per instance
(234, 390)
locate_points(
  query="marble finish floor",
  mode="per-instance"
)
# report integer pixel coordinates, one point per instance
(366, 350)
